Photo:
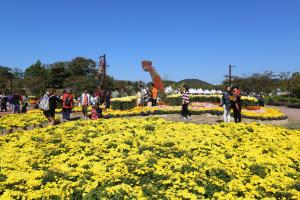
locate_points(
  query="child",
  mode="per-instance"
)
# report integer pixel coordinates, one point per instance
(139, 99)
(185, 113)
(96, 112)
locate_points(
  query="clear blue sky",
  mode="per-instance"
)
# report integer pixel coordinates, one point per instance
(184, 39)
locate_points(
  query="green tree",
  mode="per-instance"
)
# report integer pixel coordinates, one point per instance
(255, 83)
(290, 82)
(36, 78)
(36, 70)
(58, 73)
(295, 82)
(6, 77)
(79, 83)
(82, 66)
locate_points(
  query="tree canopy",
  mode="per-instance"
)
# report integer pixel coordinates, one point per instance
(79, 74)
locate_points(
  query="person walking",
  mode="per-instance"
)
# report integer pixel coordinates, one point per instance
(67, 100)
(4, 103)
(85, 102)
(1, 97)
(107, 99)
(53, 100)
(154, 94)
(236, 105)
(185, 113)
(16, 103)
(24, 103)
(143, 92)
(225, 102)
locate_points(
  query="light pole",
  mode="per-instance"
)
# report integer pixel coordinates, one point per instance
(230, 76)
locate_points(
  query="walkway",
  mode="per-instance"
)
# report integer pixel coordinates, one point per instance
(293, 116)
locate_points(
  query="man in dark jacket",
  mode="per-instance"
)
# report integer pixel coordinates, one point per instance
(16, 103)
(4, 100)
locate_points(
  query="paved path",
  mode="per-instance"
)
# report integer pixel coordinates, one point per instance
(214, 119)
(293, 116)
(5, 113)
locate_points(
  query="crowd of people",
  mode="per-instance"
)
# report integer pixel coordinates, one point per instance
(16, 103)
(68, 101)
(148, 96)
(231, 99)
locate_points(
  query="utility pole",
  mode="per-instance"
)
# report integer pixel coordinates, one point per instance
(11, 86)
(230, 75)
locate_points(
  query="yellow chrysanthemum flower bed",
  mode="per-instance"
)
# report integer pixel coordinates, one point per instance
(35, 118)
(142, 158)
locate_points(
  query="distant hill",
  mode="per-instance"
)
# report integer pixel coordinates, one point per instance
(169, 83)
(196, 83)
(192, 83)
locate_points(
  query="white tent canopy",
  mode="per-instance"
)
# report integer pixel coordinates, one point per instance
(169, 90)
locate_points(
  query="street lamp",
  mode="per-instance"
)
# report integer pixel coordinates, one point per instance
(230, 76)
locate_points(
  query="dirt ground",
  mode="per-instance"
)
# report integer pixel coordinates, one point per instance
(293, 121)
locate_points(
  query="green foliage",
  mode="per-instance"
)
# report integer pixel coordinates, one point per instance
(58, 73)
(220, 174)
(123, 105)
(36, 78)
(196, 83)
(6, 75)
(80, 66)
(258, 170)
(177, 100)
(281, 101)
(80, 83)
(36, 70)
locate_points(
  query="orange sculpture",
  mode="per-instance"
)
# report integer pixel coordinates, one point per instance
(158, 84)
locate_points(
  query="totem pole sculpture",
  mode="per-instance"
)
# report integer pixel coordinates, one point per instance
(100, 76)
(158, 84)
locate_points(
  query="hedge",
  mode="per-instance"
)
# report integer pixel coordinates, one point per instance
(282, 101)
(127, 103)
(124, 103)
(175, 100)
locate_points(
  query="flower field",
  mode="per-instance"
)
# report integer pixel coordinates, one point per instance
(35, 118)
(150, 158)
(126, 103)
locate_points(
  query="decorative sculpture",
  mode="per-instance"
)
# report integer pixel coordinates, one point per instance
(158, 84)
(100, 76)
(101, 73)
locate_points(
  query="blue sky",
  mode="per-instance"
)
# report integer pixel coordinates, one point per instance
(184, 39)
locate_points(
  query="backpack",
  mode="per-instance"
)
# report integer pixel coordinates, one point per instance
(44, 104)
(68, 102)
